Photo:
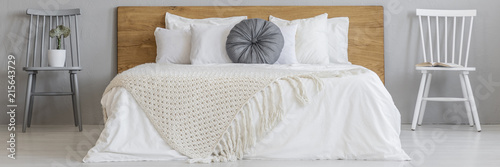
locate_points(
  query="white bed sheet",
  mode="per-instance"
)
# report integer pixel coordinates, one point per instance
(353, 117)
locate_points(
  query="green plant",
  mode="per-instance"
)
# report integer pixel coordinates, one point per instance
(59, 32)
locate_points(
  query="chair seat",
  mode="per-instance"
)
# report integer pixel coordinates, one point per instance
(52, 68)
(447, 68)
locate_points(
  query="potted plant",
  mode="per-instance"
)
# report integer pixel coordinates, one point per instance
(57, 57)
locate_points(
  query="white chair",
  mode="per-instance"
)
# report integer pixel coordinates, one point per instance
(39, 42)
(445, 44)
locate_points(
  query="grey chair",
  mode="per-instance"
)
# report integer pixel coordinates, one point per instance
(39, 42)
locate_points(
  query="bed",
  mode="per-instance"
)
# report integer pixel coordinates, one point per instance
(328, 111)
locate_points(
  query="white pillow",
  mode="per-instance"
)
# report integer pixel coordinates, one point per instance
(208, 44)
(175, 22)
(288, 55)
(172, 46)
(311, 42)
(338, 29)
(178, 22)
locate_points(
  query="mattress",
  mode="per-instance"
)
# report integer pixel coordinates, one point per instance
(353, 117)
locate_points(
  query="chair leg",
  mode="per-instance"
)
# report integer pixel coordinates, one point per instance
(467, 103)
(28, 100)
(76, 100)
(33, 90)
(472, 101)
(75, 115)
(419, 101)
(424, 102)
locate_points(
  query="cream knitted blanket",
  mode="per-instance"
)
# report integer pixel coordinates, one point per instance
(195, 108)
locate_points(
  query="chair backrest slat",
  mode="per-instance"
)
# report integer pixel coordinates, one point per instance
(439, 45)
(454, 35)
(77, 44)
(36, 39)
(429, 31)
(39, 41)
(29, 42)
(50, 27)
(437, 39)
(461, 41)
(43, 40)
(71, 43)
(422, 37)
(446, 39)
(468, 41)
(62, 23)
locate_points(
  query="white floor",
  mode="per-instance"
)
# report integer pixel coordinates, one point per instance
(430, 145)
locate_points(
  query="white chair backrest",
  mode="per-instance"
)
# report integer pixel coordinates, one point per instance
(41, 22)
(445, 43)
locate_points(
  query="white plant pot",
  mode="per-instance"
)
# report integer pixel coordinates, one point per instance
(56, 58)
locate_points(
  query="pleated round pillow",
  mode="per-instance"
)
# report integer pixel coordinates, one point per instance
(254, 41)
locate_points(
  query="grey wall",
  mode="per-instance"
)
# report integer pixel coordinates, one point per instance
(98, 25)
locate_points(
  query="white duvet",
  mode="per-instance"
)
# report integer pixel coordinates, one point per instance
(353, 117)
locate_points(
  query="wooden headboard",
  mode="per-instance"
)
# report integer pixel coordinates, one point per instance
(136, 41)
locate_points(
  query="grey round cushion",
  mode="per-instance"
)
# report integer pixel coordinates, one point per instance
(254, 41)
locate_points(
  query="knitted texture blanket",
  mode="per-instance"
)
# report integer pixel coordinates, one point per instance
(201, 112)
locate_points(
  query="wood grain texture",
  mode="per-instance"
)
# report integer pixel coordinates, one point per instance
(136, 42)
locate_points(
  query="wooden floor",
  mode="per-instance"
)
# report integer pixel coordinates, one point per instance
(430, 145)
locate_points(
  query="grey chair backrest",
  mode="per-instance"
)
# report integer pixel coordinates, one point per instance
(39, 41)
